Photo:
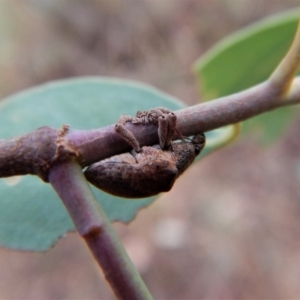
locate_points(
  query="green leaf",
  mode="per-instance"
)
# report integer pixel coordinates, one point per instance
(31, 215)
(246, 58)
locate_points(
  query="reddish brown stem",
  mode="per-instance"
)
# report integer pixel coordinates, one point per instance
(90, 146)
(93, 225)
(94, 145)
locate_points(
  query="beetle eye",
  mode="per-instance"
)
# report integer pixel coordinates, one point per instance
(197, 149)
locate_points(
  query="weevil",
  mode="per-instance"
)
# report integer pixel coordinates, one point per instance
(146, 171)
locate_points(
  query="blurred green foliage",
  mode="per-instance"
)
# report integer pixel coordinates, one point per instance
(247, 58)
(31, 215)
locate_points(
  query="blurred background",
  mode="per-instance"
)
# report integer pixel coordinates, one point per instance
(229, 229)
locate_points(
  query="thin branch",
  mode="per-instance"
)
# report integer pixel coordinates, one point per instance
(95, 228)
(293, 97)
(90, 146)
(283, 75)
(94, 145)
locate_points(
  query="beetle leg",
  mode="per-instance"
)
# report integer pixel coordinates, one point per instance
(163, 131)
(172, 122)
(134, 154)
(126, 134)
